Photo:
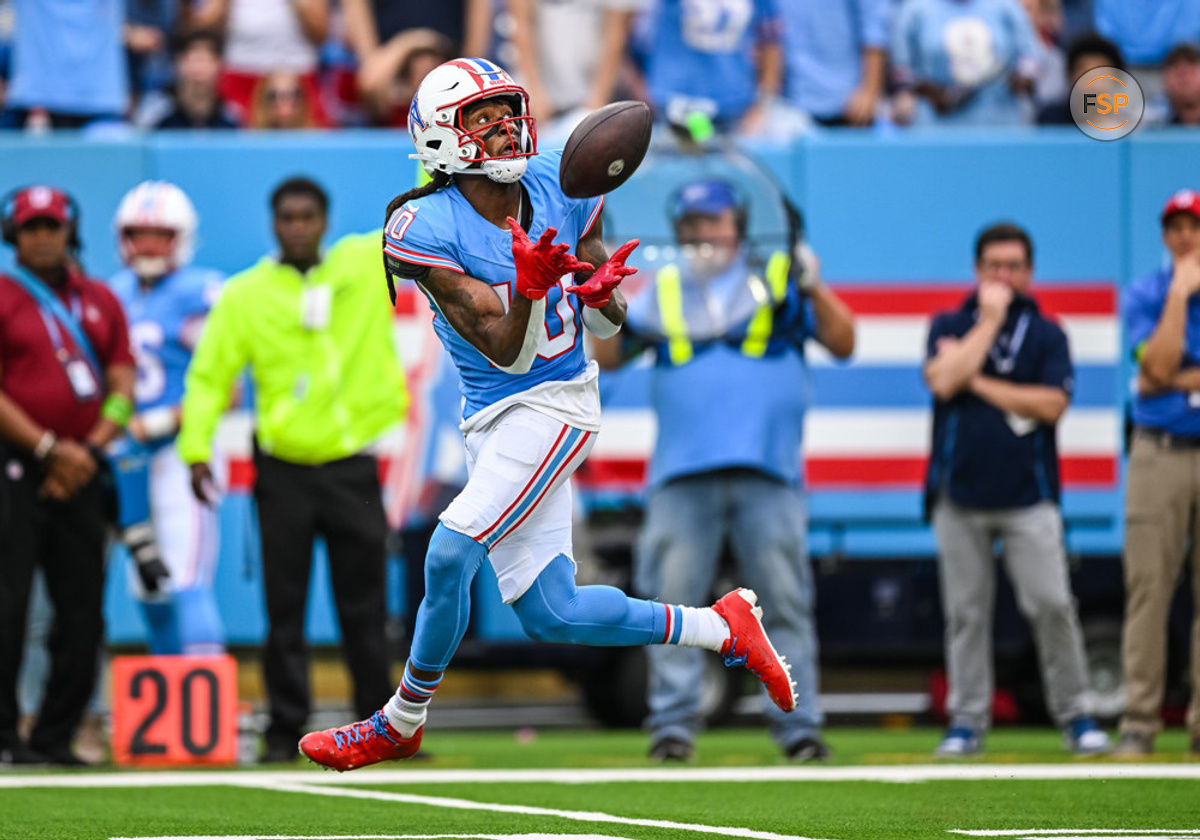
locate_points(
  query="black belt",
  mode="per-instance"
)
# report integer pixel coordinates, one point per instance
(1167, 440)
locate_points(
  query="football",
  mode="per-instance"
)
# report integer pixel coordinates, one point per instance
(605, 149)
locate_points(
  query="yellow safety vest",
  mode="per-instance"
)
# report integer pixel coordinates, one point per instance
(758, 333)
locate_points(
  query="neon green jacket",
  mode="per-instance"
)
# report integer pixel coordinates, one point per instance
(320, 394)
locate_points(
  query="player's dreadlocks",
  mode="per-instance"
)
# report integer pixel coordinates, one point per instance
(439, 180)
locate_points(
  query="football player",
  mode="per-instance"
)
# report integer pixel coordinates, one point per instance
(171, 536)
(488, 241)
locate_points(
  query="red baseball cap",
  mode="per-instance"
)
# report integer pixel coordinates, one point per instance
(40, 202)
(1184, 201)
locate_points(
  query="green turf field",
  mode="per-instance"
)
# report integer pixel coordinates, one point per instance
(550, 785)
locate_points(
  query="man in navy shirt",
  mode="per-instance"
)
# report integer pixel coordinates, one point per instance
(1000, 373)
(1162, 323)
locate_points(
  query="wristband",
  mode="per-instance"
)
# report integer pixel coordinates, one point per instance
(158, 422)
(118, 408)
(45, 445)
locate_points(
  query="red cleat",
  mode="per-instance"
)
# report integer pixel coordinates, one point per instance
(359, 744)
(749, 647)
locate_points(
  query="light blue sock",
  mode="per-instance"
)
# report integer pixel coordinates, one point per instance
(200, 628)
(162, 625)
(451, 563)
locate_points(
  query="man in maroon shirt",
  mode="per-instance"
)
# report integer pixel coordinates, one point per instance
(66, 380)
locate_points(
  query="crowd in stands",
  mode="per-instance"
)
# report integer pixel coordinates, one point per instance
(747, 66)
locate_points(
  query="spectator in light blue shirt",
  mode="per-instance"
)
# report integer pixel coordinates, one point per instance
(67, 60)
(721, 60)
(834, 54)
(964, 62)
(1145, 31)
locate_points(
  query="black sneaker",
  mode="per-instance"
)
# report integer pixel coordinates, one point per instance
(278, 752)
(20, 755)
(59, 756)
(671, 748)
(807, 749)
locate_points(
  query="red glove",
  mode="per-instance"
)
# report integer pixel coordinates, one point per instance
(597, 289)
(542, 264)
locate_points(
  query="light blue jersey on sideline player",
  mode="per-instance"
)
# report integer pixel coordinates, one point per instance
(165, 319)
(164, 324)
(416, 234)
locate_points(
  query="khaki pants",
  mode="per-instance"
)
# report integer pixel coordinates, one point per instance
(1162, 509)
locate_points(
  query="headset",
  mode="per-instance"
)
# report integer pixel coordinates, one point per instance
(8, 230)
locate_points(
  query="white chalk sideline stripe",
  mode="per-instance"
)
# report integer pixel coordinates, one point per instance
(472, 836)
(867, 773)
(529, 810)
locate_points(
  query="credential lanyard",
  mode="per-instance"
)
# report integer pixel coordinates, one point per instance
(1004, 351)
(54, 313)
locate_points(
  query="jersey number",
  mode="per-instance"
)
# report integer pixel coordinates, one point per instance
(400, 223)
(560, 323)
(147, 340)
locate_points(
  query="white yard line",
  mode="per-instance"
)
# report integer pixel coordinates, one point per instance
(870, 773)
(1057, 832)
(529, 810)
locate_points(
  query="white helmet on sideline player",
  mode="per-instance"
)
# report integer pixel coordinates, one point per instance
(445, 144)
(156, 204)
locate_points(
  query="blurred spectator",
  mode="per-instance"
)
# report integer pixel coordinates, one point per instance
(193, 100)
(1146, 31)
(406, 59)
(569, 53)
(6, 28)
(1181, 85)
(281, 101)
(729, 393)
(1087, 52)
(317, 337)
(264, 37)
(963, 62)
(66, 393)
(1001, 378)
(1162, 323)
(835, 55)
(148, 27)
(68, 64)
(723, 69)
(1046, 18)
(371, 26)
(171, 537)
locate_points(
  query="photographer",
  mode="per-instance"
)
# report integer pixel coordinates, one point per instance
(729, 391)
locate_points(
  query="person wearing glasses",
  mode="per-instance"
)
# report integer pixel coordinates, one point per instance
(1001, 378)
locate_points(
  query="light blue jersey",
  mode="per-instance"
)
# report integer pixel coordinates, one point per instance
(164, 324)
(970, 47)
(443, 230)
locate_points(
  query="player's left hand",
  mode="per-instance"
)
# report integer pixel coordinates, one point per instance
(597, 289)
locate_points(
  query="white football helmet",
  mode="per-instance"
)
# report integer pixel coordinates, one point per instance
(156, 204)
(445, 144)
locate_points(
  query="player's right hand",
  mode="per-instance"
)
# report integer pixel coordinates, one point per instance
(204, 486)
(540, 265)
